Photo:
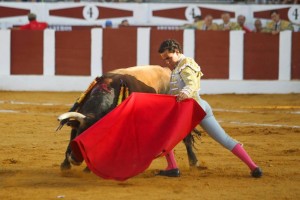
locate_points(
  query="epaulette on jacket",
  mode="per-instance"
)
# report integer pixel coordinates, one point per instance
(190, 63)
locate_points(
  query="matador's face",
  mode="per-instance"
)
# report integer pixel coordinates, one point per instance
(171, 59)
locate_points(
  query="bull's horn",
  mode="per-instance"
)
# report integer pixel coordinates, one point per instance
(68, 115)
(64, 118)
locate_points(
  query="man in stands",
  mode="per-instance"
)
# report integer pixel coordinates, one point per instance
(277, 24)
(258, 27)
(207, 24)
(227, 25)
(33, 24)
(241, 19)
(197, 19)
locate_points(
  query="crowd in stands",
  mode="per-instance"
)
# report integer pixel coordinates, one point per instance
(273, 1)
(275, 25)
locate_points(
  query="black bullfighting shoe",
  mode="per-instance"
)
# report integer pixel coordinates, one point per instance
(257, 173)
(170, 173)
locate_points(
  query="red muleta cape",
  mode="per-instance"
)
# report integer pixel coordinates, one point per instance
(144, 126)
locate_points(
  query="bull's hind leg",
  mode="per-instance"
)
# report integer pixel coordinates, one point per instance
(66, 165)
(188, 141)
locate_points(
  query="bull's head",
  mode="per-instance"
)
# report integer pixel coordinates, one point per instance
(97, 103)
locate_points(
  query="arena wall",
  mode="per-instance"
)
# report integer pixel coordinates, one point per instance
(232, 62)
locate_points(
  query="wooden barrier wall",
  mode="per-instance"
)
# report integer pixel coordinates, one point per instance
(73, 52)
(225, 56)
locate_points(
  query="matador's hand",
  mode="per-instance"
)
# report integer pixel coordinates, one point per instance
(181, 96)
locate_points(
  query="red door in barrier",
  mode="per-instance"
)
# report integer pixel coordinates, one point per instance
(73, 52)
(119, 48)
(261, 56)
(295, 56)
(212, 53)
(27, 52)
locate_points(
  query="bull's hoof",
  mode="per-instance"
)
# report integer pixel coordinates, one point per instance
(198, 165)
(87, 170)
(73, 160)
(194, 163)
(65, 166)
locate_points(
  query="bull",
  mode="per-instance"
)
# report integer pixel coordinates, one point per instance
(106, 92)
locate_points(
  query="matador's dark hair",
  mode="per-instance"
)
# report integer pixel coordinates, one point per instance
(170, 45)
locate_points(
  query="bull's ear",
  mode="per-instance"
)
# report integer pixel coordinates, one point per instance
(99, 78)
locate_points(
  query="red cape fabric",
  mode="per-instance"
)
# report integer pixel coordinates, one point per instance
(144, 126)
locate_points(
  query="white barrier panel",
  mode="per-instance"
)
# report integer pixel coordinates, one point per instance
(79, 83)
(249, 87)
(49, 53)
(236, 55)
(285, 55)
(44, 83)
(4, 52)
(143, 46)
(96, 52)
(189, 43)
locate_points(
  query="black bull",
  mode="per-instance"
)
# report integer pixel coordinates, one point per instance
(103, 96)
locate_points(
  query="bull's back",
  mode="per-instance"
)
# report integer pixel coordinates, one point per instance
(153, 76)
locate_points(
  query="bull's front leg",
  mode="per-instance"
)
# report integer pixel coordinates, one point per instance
(188, 141)
(66, 165)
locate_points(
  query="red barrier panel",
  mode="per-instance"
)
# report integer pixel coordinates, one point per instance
(27, 52)
(119, 48)
(73, 52)
(157, 37)
(261, 56)
(296, 56)
(212, 53)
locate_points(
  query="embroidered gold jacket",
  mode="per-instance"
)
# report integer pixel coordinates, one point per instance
(232, 26)
(186, 78)
(284, 25)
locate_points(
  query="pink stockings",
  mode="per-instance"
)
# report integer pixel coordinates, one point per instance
(171, 160)
(240, 152)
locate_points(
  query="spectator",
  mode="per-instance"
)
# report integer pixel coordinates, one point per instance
(108, 24)
(207, 24)
(277, 25)
(33, 24)
(290, 1)
(227, 24)
(124, 23)
(241, 19)
(258, 28)
(197, 19)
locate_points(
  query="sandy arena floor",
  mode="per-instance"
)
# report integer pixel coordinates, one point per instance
(267, 125)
